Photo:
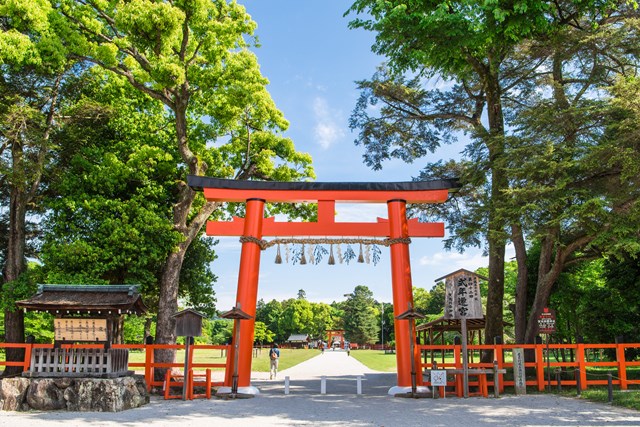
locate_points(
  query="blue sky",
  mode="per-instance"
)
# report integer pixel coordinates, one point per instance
(312, 61)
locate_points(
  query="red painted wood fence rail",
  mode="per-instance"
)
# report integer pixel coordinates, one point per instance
(148, 365)
(585, 359)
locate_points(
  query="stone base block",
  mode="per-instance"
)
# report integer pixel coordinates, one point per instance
(73, 394)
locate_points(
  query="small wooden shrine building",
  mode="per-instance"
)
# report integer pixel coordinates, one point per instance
(298, 341)
(88, 313)
(432, 333)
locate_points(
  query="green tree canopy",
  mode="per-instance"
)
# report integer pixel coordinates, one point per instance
(193, 58)
(494, 58)
(360, 317)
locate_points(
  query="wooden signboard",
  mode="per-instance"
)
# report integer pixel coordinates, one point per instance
(75, 329)
(462, 296)
(462, 301)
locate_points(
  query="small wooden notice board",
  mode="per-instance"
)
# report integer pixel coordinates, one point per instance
(76, 329)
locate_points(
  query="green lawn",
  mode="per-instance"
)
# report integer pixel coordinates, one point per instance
(624, 398)
(288, 357)
(376, 360)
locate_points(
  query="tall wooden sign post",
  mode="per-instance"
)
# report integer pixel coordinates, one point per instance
(462, 301)
(188, 325)
(547, 326)
(397, 229)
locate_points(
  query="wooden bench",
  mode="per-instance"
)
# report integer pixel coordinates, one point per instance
(176, 380)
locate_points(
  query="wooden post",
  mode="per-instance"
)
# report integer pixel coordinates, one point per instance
(465, 358)
(548, 364)
(458, 365)
(148, 365)
(27, 355)
(610, 386)
(496, 386)
(499, 357)
(185, 381)
(622, 366)
(540, 367)
(413, 359)
(582, 365)
(236, 351)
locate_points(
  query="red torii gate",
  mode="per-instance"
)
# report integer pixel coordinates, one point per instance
(254, 226)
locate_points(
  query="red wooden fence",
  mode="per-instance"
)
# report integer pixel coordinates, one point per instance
(148, 365)
(578, 354)
(577, 361)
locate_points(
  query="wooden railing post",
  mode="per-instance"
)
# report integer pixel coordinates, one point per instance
(148, 365)
(27, 355)
(499, 358)
(457, 357)
(191, 350)
(622, 366)
(582, 365)
(540, 367)
(228, 373)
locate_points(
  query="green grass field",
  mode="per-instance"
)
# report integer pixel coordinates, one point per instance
(623, 398)
(288, 357)
(376, 360)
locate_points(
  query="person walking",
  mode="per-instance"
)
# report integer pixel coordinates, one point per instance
(274, 356)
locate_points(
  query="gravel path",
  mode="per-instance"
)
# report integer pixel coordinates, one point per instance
(305, 406)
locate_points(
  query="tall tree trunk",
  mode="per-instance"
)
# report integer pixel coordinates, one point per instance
(15, 265)
(546, 278)
(189, 226)
(167, 307)
(553, 259)
(23, 191)
(147, 328)
(520, 315)
(499, 182)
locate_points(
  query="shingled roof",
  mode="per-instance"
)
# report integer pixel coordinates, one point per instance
(86, 299)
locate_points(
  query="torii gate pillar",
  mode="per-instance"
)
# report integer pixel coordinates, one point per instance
(247, 294)
(401, 288)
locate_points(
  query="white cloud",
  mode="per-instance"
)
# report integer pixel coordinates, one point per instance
(454, 260)
(360, 212)
(327, 129)
(448, 262)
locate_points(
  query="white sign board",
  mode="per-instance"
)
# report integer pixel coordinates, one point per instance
(462, 296)
(439, 378)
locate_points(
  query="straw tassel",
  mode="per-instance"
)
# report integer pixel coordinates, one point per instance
(360, 256)
(278, 256)
(332, 260)
(303, 259)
